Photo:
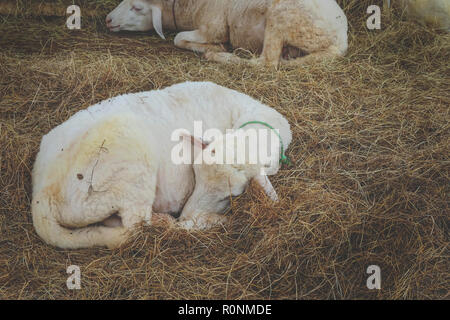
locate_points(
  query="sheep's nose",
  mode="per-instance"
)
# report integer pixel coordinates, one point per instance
(108, 20)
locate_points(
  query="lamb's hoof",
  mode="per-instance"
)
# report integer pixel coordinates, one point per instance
(204, 222)
(162, 219)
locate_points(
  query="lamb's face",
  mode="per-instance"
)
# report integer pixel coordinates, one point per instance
(130, 15)
(216, 184)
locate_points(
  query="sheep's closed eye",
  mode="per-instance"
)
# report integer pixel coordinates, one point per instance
(136, 8)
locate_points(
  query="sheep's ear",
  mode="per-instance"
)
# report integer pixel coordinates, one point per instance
(157, 21)
(265, 183)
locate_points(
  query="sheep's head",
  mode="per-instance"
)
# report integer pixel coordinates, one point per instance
(136, 15)
(216, 184)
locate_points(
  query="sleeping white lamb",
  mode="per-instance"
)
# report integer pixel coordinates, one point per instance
(109, 168)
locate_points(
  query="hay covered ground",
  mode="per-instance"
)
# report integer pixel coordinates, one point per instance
(369, 184)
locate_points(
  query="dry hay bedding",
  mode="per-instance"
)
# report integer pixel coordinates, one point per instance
(369, 183)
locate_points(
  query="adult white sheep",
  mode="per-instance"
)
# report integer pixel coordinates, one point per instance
(110, 167)
(432, 12)
(290, 31)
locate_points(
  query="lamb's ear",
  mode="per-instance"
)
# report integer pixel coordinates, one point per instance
(157, 21)
(198, 144)
(265, 183)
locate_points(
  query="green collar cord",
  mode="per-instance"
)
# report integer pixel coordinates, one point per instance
(283, 158)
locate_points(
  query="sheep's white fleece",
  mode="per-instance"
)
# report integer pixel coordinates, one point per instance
(115, 157)
(435, 12)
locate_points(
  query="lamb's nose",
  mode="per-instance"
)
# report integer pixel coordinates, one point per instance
(108, 20)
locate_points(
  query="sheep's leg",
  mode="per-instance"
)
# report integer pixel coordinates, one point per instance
(162, 219)
(110, 183)
(314, 57)
(227, 58)
(157, 219)
(108, 190)
(98, 217)
(197, 42)
(273, 47)
(201, 221)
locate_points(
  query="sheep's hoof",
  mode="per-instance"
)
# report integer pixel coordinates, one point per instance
(222, 57)
(262, 62)
(209, 55)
